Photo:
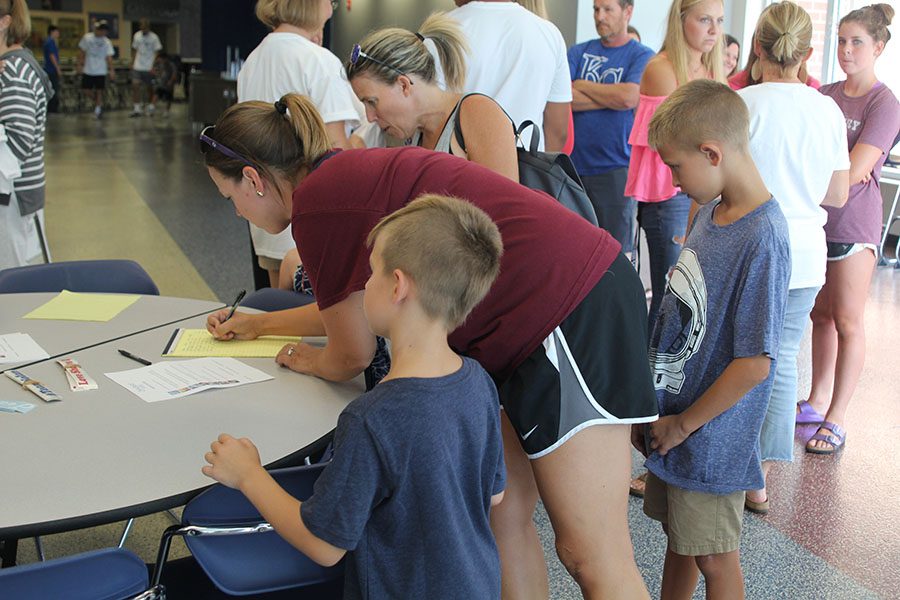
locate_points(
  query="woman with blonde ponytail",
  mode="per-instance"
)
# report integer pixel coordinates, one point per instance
(692, 50)
(410, 85)
(798, 144)
(565, 294)
(872, 116)
(24, 92)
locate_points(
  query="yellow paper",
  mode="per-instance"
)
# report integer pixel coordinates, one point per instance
(73, 306)
(200, 343)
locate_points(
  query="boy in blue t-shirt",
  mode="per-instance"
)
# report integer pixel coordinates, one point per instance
(418, 461)
(717, 336)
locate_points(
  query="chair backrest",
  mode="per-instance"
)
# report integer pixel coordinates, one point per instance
(112, 276)
(108, 574)
(271, 299)
(254, 563)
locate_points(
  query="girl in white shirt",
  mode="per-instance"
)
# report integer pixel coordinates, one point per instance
(798, 143)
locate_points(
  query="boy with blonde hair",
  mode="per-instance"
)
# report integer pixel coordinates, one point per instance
(418, 461)
(717, 336)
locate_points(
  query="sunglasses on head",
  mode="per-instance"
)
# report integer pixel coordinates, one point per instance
(356, 54)
(208, 142)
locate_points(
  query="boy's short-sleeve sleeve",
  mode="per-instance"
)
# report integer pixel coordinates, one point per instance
(761, 298)
(82, 43)
(349, 488)
(500, 476)
(110, 51)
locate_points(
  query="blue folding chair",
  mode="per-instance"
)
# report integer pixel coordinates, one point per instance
(112, 276)
(239, 552)
(108, 574)
(269, 299)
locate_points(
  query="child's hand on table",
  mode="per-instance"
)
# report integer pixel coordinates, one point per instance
(231, 461)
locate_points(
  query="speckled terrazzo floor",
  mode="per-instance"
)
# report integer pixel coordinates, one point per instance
(832, 532)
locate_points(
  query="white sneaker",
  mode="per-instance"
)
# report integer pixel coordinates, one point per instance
(98, 112)
(150, 109)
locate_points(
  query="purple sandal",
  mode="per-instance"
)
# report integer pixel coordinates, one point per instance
(836, 440)
(807, 415)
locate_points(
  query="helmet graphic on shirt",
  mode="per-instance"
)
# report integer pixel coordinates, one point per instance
(688, 289)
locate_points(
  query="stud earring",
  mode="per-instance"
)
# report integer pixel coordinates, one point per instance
(259, 193)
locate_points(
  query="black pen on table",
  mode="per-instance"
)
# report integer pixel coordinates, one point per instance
(234, 306)
(128, 354)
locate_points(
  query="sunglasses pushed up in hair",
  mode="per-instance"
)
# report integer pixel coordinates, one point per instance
(357, 54)
(207, 143)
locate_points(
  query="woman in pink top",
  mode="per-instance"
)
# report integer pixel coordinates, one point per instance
(852, 232)
(692, 49)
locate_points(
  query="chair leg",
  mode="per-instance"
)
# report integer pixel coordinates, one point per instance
(39, 548)
(42, 238)
(8, 548)
(173, 515)
(162, 554)
(125, 532)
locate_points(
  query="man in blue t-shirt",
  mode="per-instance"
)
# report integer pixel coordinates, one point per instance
(418, 461)
(51, 65)
(606, 74)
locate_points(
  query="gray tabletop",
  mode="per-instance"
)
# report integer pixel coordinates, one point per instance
(61, 337)
(104, 455)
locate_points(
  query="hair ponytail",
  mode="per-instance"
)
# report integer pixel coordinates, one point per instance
(395, 51)
(875, 18)
(278, 144)
(20, 21)
(784, 34)
(308, 128)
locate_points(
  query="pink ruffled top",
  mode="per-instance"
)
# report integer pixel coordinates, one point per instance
(649, 179)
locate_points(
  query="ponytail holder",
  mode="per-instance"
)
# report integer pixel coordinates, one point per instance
(420, 36)
(281, 107)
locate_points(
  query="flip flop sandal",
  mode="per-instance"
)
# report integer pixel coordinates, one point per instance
(836, 440)
(807, 415)
(759, 508)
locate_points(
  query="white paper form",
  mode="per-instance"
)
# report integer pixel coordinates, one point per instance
(176, 379)
(19, 348)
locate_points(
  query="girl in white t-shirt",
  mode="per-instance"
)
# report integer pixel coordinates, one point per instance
(798, 143)
(290, 59)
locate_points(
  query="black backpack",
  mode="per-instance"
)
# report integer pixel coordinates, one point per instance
(550, 172)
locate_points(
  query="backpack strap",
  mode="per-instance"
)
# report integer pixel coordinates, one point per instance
(535, 134)
(457, 125)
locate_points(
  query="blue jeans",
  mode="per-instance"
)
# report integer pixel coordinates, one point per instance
(776, 440)
(662, 222)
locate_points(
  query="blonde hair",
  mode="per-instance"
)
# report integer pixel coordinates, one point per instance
(783, 33)
(536, 6)
(404, 51)
(875, 18)
(449, 247)
(306, 14)
(700, 111)
(20, 20)
(275, 143)
(675, 45)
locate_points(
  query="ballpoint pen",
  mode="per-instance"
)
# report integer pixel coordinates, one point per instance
(128, 354)
(234, 306)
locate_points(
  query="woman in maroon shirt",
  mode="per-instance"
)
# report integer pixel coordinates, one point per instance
(565, 343)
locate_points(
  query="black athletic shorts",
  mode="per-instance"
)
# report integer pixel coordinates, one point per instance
(93, 82)
(592, 370)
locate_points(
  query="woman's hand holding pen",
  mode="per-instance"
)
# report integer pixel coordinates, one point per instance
(241, 326)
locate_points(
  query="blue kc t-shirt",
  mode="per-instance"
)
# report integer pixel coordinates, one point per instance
(601, 136)
(408, 492)
(725, 300)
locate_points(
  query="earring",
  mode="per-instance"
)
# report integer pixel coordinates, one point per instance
(259, 193)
